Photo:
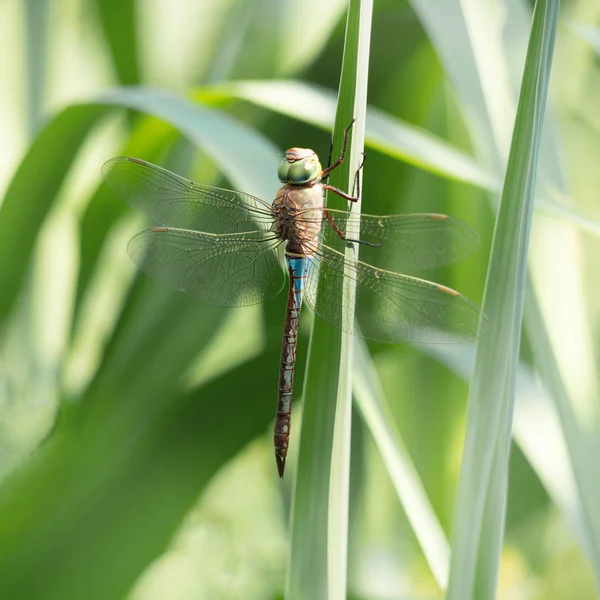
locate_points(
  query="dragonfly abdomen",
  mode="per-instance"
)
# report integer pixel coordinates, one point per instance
(298, 267)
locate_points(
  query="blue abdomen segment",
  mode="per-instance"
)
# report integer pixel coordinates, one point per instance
(298, 269)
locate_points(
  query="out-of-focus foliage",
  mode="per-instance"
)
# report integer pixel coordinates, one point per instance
(135, 445)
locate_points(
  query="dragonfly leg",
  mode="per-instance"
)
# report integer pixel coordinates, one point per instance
(339, 192)
(342, 155)
(330, 167)
(342, 235)
(356, 188)
(330, 151)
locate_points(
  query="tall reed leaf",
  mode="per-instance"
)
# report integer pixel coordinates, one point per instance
(105, 455)
(320, 510)
(379, 419)
(389, 135)
(481, 502)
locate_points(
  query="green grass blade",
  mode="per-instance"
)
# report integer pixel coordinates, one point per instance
(380, 422)
(316, 105)
(446, 28)
(119, 24)
(564, 355)
(482, 487)
(320, 508)
(88, 515)
(149, 140)
(353, 86)
(117, 425)
(304, 39)
(32, 191)
(389, 135)
(227, 141)
(537, 430)
(582, 442)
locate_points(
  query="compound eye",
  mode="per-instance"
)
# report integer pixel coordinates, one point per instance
(282, 170)
(304, 171)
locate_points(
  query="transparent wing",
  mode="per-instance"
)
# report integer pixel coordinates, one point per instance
(226, 270)
(173, 201)
(390, 307)
(405, 242)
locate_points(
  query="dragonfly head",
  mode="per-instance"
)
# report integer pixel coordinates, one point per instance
(300, 166)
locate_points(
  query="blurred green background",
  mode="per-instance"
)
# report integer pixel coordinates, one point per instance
(135, 424)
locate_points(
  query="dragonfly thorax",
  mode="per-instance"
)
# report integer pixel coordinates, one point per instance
(299, 167)
(298, 216)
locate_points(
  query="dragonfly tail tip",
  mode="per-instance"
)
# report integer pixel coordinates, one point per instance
(280, 465)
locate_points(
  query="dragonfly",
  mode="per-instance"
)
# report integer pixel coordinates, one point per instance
(223, 247)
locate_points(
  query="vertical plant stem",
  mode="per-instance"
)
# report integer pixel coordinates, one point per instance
(482, 491)
(320, 506)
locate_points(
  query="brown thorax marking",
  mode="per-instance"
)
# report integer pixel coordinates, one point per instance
(299, 214)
